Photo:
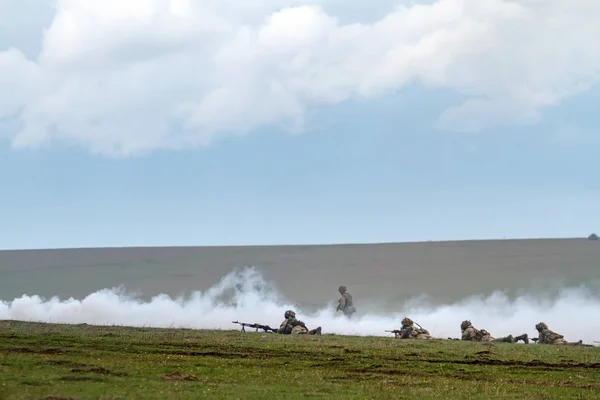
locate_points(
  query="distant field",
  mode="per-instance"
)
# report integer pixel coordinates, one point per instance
(448, 271)
(88, 362)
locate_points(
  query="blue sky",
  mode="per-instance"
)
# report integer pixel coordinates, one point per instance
(368, 166)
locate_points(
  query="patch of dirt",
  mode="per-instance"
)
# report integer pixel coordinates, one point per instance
(351, 351)
(65, 363)
(244, 353)
(58, 398)
(377, 371)
(100, 370)
(211, 354)
(96, 370)
(82, 379)
(179, 376)
(28, 350)
(32, 383)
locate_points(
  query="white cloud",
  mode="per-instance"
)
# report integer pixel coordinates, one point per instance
(127, 76)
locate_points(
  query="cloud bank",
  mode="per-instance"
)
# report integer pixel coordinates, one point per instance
(124, 77)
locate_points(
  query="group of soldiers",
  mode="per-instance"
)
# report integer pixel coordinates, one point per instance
(409, 331)
(470, 333)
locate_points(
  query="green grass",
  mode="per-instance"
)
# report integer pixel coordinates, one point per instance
(91, 362)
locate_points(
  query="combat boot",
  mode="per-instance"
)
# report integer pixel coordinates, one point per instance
(524, 337)
(509, 339)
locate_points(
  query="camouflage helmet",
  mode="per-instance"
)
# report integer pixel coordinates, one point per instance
(465, 324)
(342, 289)
(290, 314)
(407, 322)
(541, 326)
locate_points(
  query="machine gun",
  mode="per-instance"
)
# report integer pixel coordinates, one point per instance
(396, 333)
(534, 339)
(265, 328)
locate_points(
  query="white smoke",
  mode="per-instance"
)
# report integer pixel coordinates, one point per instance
(245, 296)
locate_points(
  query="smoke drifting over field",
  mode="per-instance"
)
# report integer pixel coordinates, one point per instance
(246, 296)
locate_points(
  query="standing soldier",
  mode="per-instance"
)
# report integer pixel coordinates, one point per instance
(345, 303)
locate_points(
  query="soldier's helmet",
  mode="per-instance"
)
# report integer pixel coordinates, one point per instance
(407, 322)
(290, 314)
(342, 289)
(465, 324)
(541, 326)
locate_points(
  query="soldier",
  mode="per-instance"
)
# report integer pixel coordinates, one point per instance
(345, 303)
(408, 331)
(292, 326)
(469, 332)
(546, 336)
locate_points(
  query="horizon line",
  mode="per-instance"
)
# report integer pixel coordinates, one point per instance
(332, 244)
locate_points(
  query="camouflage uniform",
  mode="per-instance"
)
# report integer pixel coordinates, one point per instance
(469, 332)
(292, 326)
(408, 331)
(345, 303)
(546, 336)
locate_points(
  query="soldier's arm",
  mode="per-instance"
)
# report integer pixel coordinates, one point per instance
(296, 322)
(282, 327)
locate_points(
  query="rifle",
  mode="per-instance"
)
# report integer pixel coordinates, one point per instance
(265, 328)
(396, 333)
(416, 323)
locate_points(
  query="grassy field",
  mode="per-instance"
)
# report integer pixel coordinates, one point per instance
(90, 362)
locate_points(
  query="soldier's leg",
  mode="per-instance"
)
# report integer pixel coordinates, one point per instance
(507, 339)
(316, 331)
(299, 330)
(524, 337)
(575, 344)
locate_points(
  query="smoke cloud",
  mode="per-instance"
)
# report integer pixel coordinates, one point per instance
(246, 296)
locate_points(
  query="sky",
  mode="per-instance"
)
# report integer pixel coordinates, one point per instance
(215, 122)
